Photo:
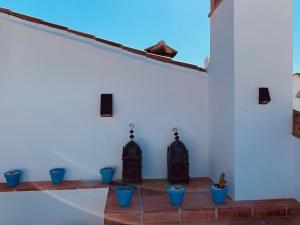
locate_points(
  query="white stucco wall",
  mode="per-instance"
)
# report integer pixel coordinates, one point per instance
(221, 94)
(263, 58)
(296, 89)
(76, 207)
(296, 141)
(254, 140)
(50, 87)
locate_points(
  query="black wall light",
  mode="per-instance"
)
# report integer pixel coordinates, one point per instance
(106, 109)
(264, 96)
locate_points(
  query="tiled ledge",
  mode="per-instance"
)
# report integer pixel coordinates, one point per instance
(150, 205)
(47, 185)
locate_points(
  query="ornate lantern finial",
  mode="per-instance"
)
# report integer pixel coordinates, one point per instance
(131, 131)
(176, 133)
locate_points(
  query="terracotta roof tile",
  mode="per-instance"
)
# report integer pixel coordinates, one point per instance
(111, 43)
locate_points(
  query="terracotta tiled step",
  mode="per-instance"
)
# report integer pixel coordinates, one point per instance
(47, 185)
(151, 206)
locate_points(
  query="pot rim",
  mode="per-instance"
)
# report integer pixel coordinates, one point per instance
(124, 188)
(107, 169)
(56, 170)
(9, 173)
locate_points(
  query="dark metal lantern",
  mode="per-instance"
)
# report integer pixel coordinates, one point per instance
(178, 162)
(132, 161)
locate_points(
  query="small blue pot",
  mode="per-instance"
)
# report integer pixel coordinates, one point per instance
(57, 175)
(218, 195)
(176, 195)
(107, 174)
(124, 195)
(13, 177)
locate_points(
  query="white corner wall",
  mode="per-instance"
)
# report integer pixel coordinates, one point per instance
(296, 141)
(221, 94)
(251, 47)
(263, 58)
(50, 85)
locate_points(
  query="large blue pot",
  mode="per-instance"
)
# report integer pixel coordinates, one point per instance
(124, 195)
(218, 195)
(57, 175)
(107, 174)
(176, 195)
(13, 177)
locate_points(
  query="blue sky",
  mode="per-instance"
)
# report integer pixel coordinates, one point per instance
(184, 25)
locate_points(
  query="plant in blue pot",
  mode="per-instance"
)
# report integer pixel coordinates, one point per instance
(57, 175)
(107, 174)
(176, 194)
(219, 191)
(124, 195)
(13, 177)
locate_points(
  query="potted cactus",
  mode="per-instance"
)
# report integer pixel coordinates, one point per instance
(107, 174)
(124, 195)
(13, 177)
(176, 194)
(57, 175)
(219, 191)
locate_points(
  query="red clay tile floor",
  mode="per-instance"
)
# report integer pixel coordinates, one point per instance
(150, 205)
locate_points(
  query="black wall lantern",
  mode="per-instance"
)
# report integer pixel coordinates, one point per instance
(106, 109)
(264, 96)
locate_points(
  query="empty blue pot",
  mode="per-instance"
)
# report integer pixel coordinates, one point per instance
(107, 174)
(57, 175)
(218, 195)
(13, 177)
(124, 195)
(176, 195)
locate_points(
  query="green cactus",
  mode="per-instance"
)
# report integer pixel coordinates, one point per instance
(222, 182)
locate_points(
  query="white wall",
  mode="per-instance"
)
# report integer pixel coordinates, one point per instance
(263, 58)
(50, 85)
(296, 141)
(296, 89)
(259, 140)
(221, 94)
(72, 207)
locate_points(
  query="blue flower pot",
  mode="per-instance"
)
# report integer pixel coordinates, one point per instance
(218, 195)
(13, 177)
(124, 195)
(57, 175)
(107, 174)
(176, 195)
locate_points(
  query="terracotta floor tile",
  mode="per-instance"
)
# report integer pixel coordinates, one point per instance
(154, 203)
(203, 183)
(160, 217)
(198, 215)
(197, 201)
(261, 212)
(33, 186)
(90, 184)
(234, 213)
(174, 223)
(273, 202)
(65, 185)
(153, 187)
(117, 219)
(5, 188)
(276, 221)
(294, 210)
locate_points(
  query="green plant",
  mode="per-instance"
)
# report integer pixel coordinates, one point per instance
(222, 182)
